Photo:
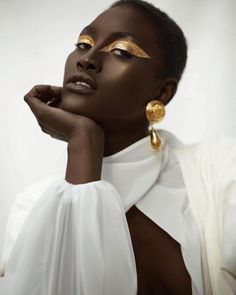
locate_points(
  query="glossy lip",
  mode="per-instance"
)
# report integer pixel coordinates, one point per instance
(79, 88)
(81, 77)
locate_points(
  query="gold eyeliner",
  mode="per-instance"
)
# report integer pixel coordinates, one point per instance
(127, 45)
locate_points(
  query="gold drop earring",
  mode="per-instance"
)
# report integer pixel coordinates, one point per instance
(155, 112)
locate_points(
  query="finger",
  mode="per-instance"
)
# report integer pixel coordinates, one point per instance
(36, 105)
(46, 114)
(42, 92)
(52, 102)
(45, 92)
(56, 118)
(56, 91)
(55, 102)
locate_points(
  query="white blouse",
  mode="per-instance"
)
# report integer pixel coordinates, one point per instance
(71, 239)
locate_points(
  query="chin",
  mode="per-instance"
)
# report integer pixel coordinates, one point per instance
(71, 101)
(75, 105)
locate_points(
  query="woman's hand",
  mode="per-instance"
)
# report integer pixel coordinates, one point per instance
(85, 138)
(44, 101)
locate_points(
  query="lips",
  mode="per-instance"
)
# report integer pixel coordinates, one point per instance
(82, 81)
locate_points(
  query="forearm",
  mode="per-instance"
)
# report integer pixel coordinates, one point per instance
(84, 159)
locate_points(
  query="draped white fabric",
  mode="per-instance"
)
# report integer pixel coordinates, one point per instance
(211, 187)
(74, 239)
(203, 105)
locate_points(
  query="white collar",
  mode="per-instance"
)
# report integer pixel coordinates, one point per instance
(135, 169)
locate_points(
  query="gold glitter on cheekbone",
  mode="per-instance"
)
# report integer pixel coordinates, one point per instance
(126, 45)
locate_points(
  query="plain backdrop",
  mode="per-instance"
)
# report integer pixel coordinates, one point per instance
(36, 37)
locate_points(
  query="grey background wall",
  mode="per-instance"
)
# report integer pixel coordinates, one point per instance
(36, 37)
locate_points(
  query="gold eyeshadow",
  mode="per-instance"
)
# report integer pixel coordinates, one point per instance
(86, 39)
(126, 45)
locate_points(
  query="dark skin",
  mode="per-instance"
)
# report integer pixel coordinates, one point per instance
(110, 119)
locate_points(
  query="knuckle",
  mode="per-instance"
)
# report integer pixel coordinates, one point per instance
(26, 96)
(33, 91)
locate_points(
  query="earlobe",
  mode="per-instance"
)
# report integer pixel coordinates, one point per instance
(168, 90)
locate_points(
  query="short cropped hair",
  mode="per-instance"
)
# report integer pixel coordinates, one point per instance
(172, 40)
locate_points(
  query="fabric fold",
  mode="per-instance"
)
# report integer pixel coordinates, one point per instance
(167, 204)
(210, 197)
(75, 241)
(75, 238)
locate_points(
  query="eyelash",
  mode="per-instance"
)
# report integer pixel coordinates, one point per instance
(79, 43)
(125, 54)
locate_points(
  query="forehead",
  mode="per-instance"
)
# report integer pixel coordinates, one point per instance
(130, 20)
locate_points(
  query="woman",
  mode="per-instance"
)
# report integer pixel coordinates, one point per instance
(129, 217)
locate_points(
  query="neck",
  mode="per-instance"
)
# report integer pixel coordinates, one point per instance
(115, 142)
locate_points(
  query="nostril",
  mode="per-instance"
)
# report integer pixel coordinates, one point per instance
(79, 64)
(91, 66)
(87, 65)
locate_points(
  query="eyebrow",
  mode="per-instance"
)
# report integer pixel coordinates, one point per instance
(89, 29)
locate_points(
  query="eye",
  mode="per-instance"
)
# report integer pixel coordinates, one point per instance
(122, 53)
(84, 42)
(83, 45)
(126, 49)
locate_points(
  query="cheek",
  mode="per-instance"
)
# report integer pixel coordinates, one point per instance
(123, 87)
(123, 90)
(126, 81)
(69, 65)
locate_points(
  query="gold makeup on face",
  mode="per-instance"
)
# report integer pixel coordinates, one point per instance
(126, 45)
(86, 39)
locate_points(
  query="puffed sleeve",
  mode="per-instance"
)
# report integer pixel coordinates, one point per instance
(74, 241)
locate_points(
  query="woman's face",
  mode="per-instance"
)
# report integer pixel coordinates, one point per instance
(126, 80)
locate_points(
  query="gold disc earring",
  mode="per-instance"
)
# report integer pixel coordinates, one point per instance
(155, 112)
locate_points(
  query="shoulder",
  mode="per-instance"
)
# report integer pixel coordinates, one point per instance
(208, 166)
(215, 151)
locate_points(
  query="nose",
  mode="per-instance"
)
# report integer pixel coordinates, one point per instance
(89, 62)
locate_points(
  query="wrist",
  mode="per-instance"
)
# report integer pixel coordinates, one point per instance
(85, 155)
(86, 141)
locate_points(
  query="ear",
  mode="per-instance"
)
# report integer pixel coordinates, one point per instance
(167, 90)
